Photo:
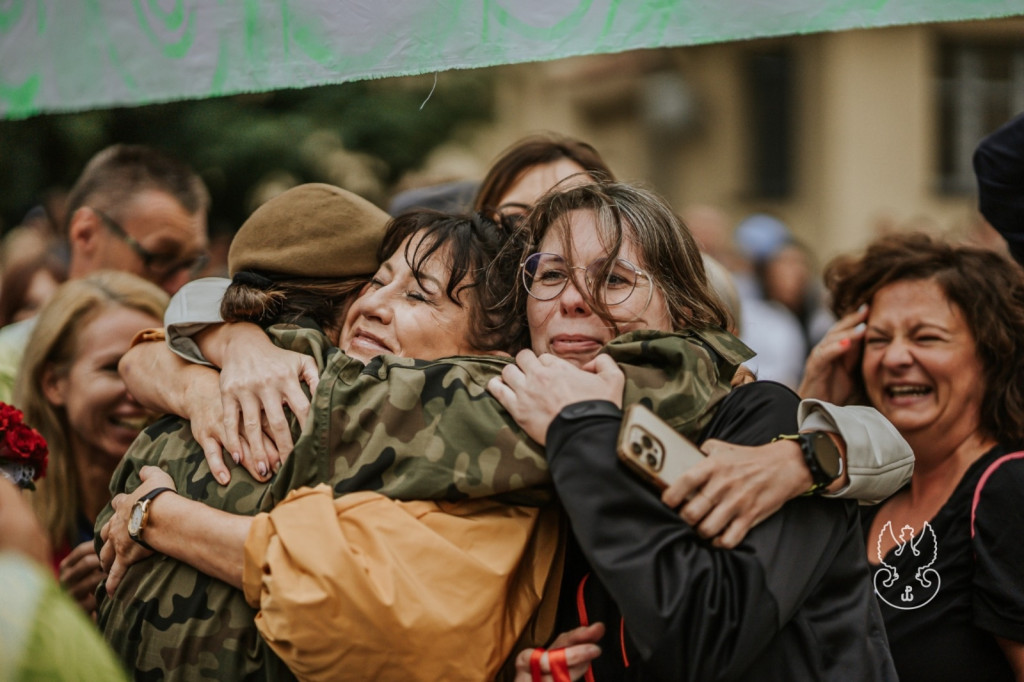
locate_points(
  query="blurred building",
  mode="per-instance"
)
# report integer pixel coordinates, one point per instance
(839, 134)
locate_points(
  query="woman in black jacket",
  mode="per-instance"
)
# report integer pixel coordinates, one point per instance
(793, 601)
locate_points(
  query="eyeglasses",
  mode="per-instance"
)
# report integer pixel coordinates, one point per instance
(546, 274)
(161, 265)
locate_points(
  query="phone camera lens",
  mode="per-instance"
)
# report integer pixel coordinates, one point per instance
(637, 449)
(647, 442)
(652, 461)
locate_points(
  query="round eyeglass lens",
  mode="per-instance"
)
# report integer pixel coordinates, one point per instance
(616, 285)
(546, 274)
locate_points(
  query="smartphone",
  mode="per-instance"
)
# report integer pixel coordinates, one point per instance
(653, 449)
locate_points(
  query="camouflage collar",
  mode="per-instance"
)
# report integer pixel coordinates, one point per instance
(650, 347)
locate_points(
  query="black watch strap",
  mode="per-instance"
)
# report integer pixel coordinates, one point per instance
(820, 478)
(145, 498)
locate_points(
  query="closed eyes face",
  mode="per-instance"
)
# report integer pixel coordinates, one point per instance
(921, 368)
(407, 313)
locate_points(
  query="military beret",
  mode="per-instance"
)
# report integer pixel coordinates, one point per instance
(312, 230)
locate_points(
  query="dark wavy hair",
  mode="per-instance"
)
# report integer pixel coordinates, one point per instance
(531, 151)
(468, 243)
(987, 288)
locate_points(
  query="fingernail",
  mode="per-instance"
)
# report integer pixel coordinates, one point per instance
(262, 468)
(862, 308)
(844, 343)
(277, 466)
(237, 457)
(223, 478)
(859, 329)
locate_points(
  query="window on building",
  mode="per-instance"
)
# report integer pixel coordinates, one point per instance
(981, 87)
(769, 113)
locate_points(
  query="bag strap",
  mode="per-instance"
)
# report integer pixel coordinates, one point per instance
(984, 479)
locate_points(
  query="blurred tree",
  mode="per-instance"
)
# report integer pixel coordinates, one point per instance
(362, 136)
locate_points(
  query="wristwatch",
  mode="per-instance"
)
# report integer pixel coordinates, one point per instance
(140, 515)
(821, 456)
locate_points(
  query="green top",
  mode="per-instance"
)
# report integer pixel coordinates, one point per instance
(44, 635)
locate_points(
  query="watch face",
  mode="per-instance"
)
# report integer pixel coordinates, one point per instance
(827, 454)
(135, 520)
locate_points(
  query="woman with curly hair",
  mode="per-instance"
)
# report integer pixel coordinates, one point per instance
(932, 335)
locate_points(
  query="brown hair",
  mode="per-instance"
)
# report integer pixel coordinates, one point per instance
(986, 287)
(266, 301)
(116, 174)
(53, 344)
(667, 250)
(531, 151)
(17, 278)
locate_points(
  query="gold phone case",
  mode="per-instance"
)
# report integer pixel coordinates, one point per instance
(653, 449)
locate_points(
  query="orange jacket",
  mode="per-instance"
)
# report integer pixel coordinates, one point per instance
(365, 587)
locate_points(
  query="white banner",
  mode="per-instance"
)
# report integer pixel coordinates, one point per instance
(64, 55)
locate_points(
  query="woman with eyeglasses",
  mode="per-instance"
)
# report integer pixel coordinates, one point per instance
(793, 600)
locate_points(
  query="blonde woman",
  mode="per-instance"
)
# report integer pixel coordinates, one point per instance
(69, 389)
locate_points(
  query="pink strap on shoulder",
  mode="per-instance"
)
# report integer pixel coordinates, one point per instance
(984, 479)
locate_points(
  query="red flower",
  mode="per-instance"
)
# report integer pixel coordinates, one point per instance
(9, 416)
(21, 445)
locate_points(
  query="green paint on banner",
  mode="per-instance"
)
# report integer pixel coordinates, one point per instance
(172, 17)
(9, 17)
(560, 30)
(286, 16)
(253, 38)
(658, 14)
(21, 97)
(609, 20)
(316, 48)
(115, 59)
(220, 73)
(172, 22)
(96, 19)
(40, 17)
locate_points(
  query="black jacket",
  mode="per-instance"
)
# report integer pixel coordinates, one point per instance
(793, 602)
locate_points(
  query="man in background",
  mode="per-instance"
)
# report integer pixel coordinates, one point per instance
(134, 209)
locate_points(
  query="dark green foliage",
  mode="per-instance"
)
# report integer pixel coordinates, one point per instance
(235, 142)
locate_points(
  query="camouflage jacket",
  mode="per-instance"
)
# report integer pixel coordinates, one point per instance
(409, 429)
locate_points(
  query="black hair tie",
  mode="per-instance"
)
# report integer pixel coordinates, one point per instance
(252, 279)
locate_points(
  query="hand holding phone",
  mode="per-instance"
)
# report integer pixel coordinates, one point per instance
(653, 449)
